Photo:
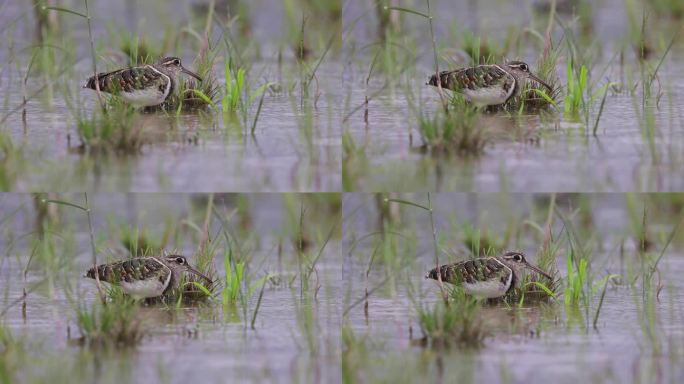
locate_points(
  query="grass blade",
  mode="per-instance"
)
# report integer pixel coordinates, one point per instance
(406, 202)
(68, 204)
(60, 9)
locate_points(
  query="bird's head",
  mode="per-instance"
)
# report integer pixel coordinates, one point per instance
(517, 262)
(174, 66)
(180, 264)
(521, 70)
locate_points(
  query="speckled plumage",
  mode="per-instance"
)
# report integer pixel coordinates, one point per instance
(488, 277)
(130, 80)
(474, 78)
(145, 85)
(144, 277)
(486, 85)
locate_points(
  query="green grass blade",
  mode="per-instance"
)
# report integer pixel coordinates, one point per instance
(406, 202)
(60, 9)
(68, 204)
(411, 11)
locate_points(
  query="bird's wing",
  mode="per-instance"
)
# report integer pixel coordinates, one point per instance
(473, 77)
(472, 271)
(127, 80)
(129, 270)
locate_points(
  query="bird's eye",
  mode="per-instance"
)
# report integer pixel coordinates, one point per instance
(523, 67)
(517, 257)
(176, 62)
(180, 260)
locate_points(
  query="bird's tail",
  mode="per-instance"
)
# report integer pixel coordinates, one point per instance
(443, 79)
(101, 77)
(104, 273)
(433, 273)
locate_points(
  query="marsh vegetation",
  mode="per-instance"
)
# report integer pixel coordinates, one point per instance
(606, 124)
(260, 108)
(271, 302)
(610, 303)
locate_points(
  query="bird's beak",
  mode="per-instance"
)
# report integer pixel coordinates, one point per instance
(540, 81)
(539, 271)
(198, 273)
(191, 73)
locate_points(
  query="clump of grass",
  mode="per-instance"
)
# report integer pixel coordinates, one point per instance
(10, 161)
(112, 324)
(454, 133)
(535, 288)
(668, 8)
(580, 95)
(138, 50)
(12, 353)
(236, 93)
(355, 162)
(193, 95)
(480, 50)
(354, 353)
(534, 97)
(195, 288)
(237, 289)
(580, 283)
(480, 243)
(138, 242)
(452, 323)
(114, 131)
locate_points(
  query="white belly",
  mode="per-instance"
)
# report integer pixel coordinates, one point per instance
(145, 97)
(486, 96)
(486, 289)
(142, 289)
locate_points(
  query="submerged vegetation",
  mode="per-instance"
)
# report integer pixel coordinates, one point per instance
(117, 131)
(568, 247)
(114, 324)
(455, 322)
(457, 132)
(596, 81)
(259, 271)
(246, 77)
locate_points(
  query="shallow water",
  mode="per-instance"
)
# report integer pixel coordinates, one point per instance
(556, 156)
(192, 343)
(191, 155)
(533, 344)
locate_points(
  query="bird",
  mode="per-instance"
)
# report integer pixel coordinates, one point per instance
(144, 86)
(486, 277)
(486, 85)
(145, 277)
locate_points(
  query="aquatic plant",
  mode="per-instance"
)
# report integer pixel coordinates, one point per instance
(534, 97)
(581, 284)
(481, 50)
(354, 353)
(668, 8)
(138, 50)
(456, 132)
(138, 242)
(236, 95)
(12, 355)
(480, 242)
(112, 324)
(193, 95)
(354, 162)
(115, 131)
(10, 161)
(454, 323)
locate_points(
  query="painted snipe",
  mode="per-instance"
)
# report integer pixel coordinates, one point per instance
(144, 86)
(485, 85)
(145, 277)
(487, 277)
